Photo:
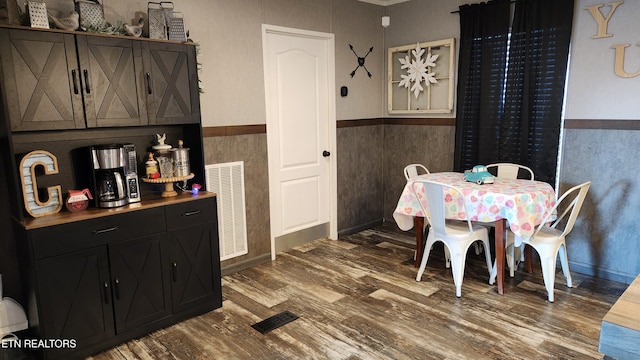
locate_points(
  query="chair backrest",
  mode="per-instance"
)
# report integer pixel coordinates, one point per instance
(412, 170)
(435, 211)
(571, 202)
(509, 171)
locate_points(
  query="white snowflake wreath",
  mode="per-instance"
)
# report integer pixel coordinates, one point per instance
(418, 70)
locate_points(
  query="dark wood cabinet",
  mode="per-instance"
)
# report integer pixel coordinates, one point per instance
(140, 281)
(41, 80)
(195, 269)
(113, 82)
(104, 276)
(107, 278)
(172, 94)
(74, 294)
(60, 81)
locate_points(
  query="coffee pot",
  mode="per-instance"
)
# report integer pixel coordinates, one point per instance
(108, 175)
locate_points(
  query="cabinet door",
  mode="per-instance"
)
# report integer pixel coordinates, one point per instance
(74, 298)
(112, 81)
(41, 80)
(172, 89)
(195, 266)
(140, 283)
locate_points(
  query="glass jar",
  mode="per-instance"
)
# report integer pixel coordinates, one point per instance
(165, 163)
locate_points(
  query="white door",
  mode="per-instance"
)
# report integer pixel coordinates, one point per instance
(300, 114)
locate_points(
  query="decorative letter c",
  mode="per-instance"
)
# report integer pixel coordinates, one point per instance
(34, 206)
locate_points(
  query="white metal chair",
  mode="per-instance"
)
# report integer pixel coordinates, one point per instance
(413, 170)
(510, 171)
(457, 236)
(550, 240)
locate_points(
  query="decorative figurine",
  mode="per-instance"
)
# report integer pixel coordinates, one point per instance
(160, 139)
(134, 30)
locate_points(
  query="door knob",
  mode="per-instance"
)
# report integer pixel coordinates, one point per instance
(326, 153)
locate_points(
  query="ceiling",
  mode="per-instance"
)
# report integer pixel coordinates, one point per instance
(383, 2)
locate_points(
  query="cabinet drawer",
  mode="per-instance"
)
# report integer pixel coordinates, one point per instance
(65, 238)
(191, 213)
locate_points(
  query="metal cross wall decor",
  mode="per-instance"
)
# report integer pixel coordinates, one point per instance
(361, 61)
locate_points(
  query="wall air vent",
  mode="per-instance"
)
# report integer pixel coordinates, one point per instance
(227, 181)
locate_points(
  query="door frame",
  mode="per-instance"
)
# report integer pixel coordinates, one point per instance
(333, 176)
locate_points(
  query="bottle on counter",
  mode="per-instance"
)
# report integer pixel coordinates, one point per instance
(151, 168)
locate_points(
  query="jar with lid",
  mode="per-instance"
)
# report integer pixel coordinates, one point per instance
(163, 156)
(180, 158)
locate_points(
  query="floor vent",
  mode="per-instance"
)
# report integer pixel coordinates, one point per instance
(274, 322)
(227, 181)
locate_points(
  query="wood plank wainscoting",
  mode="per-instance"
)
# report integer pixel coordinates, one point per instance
(357, 298)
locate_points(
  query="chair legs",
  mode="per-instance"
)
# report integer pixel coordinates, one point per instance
(477, 248)
(512, 254)
(456, 256)
(425, 256)
(548, 254)
(458, 260)
(564, 262)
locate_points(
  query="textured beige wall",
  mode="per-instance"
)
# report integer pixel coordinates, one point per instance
(230, 36)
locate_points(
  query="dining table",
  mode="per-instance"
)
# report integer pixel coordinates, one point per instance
(519, 204)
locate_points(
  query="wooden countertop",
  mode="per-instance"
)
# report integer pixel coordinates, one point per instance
(149, 201)
(626, 311)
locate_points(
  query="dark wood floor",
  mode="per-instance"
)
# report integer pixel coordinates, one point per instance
(357, 298)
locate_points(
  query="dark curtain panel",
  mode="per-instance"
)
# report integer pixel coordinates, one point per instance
(538, 54)
(484, 31)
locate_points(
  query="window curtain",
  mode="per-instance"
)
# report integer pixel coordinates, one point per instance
(534, 96)
(484, 35)
(524, 126)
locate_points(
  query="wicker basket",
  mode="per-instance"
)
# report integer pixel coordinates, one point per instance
(91, 13)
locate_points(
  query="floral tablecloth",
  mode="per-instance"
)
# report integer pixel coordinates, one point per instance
(524, 203)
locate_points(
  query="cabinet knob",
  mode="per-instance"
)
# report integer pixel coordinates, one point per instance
(117, 288)
(106, 292)
(87, 85)
(174, 271)
(98, 232)
(75, 82)
(149, 87)
(190, 213)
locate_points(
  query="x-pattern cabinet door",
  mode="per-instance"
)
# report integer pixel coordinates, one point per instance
(172, 90)
(140, 281)
(76, 298)
(195, 265)
(113, 81)
(41, 80)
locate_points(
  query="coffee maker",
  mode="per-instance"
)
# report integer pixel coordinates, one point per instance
(131, 173)
(108, 175)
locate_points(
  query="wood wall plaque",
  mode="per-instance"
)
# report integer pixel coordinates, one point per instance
(32, 203)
